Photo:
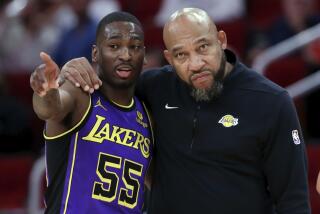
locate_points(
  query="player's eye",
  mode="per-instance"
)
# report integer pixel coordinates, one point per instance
(113, 46)
(136, 47)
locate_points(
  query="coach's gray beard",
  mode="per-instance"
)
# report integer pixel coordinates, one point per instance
(207, 94)
(216, 88)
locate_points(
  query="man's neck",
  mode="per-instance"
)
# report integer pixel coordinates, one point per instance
(118, 95)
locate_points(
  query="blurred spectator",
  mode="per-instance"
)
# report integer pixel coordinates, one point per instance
(298, 15)
(15, 130)
(3, 5)
(219, 10)
(154, 58)
(27, 32)
(99, 8)
(78, 40)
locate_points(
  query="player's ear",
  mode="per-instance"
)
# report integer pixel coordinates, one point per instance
(95, 53)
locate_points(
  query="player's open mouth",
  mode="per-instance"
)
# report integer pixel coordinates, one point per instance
(124, 71)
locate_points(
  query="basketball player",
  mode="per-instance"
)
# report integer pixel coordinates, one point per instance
(98, 146)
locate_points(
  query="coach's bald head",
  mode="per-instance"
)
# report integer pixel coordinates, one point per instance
(185, 20)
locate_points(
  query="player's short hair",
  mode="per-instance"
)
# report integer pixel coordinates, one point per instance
(118, 16)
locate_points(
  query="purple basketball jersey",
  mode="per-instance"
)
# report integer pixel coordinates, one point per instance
(108, 155)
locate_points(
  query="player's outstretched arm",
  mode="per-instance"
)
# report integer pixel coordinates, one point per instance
(50, 102)
(80, 72)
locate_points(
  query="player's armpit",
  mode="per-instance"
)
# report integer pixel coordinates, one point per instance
(148, 178)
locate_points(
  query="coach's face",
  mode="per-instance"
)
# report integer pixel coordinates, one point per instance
(120, 54)
(195, 49)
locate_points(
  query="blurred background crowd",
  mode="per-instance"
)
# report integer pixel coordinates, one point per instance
(66, 29)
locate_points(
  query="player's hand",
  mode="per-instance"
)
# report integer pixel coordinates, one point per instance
(45, 76)
(80, 72)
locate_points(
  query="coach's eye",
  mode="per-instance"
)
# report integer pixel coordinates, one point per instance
(203, 47)
(180, 55)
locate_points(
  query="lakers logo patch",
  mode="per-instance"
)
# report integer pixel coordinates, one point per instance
(228, 121)
(139, 119)
(139, 115)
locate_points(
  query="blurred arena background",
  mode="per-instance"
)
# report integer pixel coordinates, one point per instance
(279, 38)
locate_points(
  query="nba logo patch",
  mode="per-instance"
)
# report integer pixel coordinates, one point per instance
(295, 137)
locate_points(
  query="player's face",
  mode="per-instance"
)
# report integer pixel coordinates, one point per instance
(196, 52)
(120, 54)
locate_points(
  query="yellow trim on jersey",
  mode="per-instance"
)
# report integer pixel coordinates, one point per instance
(71, 172)
(106, 180)
(73, 128)
(149, 119)
(123, 106)
(128, 187)
(47, 176)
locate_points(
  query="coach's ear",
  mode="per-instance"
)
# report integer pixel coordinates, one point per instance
(168, 56)
(222, 39)
(94, 54)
